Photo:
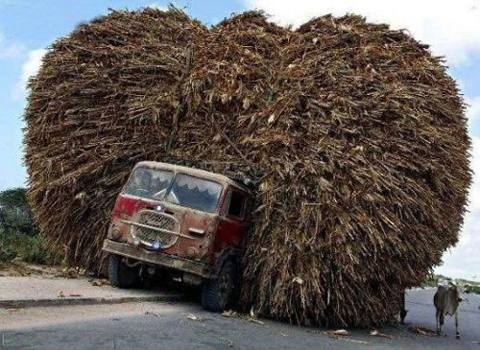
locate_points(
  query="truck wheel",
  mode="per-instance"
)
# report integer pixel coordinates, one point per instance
(220, 292)
(120, 275)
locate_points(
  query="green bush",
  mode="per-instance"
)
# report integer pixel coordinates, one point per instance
(15, 212)
(19, 235)
(431, 281)
(29, 248)
(474, 288)
(34, 249)
(7, 254)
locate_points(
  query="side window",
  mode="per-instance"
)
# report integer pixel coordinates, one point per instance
(237, 202)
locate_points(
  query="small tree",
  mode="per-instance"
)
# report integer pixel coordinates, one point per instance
(15, 212)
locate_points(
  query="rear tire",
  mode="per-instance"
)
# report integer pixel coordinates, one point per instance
(120, 275)
(220, 293)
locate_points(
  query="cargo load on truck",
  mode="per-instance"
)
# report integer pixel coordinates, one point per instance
(354, 134)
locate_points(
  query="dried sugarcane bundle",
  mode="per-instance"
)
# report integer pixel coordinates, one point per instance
(103, 100)
(355, 135)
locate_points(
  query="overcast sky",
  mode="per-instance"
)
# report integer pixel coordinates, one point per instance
(452, 28)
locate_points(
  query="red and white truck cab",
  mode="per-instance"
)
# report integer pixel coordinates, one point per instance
(181, 220)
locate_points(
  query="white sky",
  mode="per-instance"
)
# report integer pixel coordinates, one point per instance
(451, 27)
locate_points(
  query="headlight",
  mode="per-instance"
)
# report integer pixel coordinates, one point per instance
(115, 234)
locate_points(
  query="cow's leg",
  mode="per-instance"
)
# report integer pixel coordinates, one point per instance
(442, 319)
(457, 335)
(437, 320)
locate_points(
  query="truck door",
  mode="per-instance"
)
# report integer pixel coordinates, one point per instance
(231, 228)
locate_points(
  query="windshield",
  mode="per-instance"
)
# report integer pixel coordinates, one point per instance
(196, 193)
(187, 191)
(149, 183)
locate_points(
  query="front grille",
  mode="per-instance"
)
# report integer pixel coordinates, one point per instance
(157, 220)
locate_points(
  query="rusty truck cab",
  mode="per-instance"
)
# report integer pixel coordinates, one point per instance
(185, 220)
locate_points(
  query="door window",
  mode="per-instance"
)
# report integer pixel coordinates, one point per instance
(236, 204)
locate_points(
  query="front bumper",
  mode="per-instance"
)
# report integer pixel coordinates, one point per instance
(157, 258)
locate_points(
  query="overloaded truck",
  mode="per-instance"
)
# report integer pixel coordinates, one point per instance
(181, 222)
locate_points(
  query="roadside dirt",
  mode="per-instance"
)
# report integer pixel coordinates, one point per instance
(18, 268)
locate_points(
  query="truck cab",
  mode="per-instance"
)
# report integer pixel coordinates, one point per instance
(187, 222)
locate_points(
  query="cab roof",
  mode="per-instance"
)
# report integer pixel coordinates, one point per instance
(222, 179)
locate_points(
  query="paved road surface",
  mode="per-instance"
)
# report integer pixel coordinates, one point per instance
(167, 325)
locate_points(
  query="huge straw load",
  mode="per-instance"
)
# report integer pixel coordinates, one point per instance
(355, 135)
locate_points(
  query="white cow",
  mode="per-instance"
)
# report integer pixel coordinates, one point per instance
(446, 301)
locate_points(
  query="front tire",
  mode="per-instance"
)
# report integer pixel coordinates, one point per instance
(120, 275)
(220, 293)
